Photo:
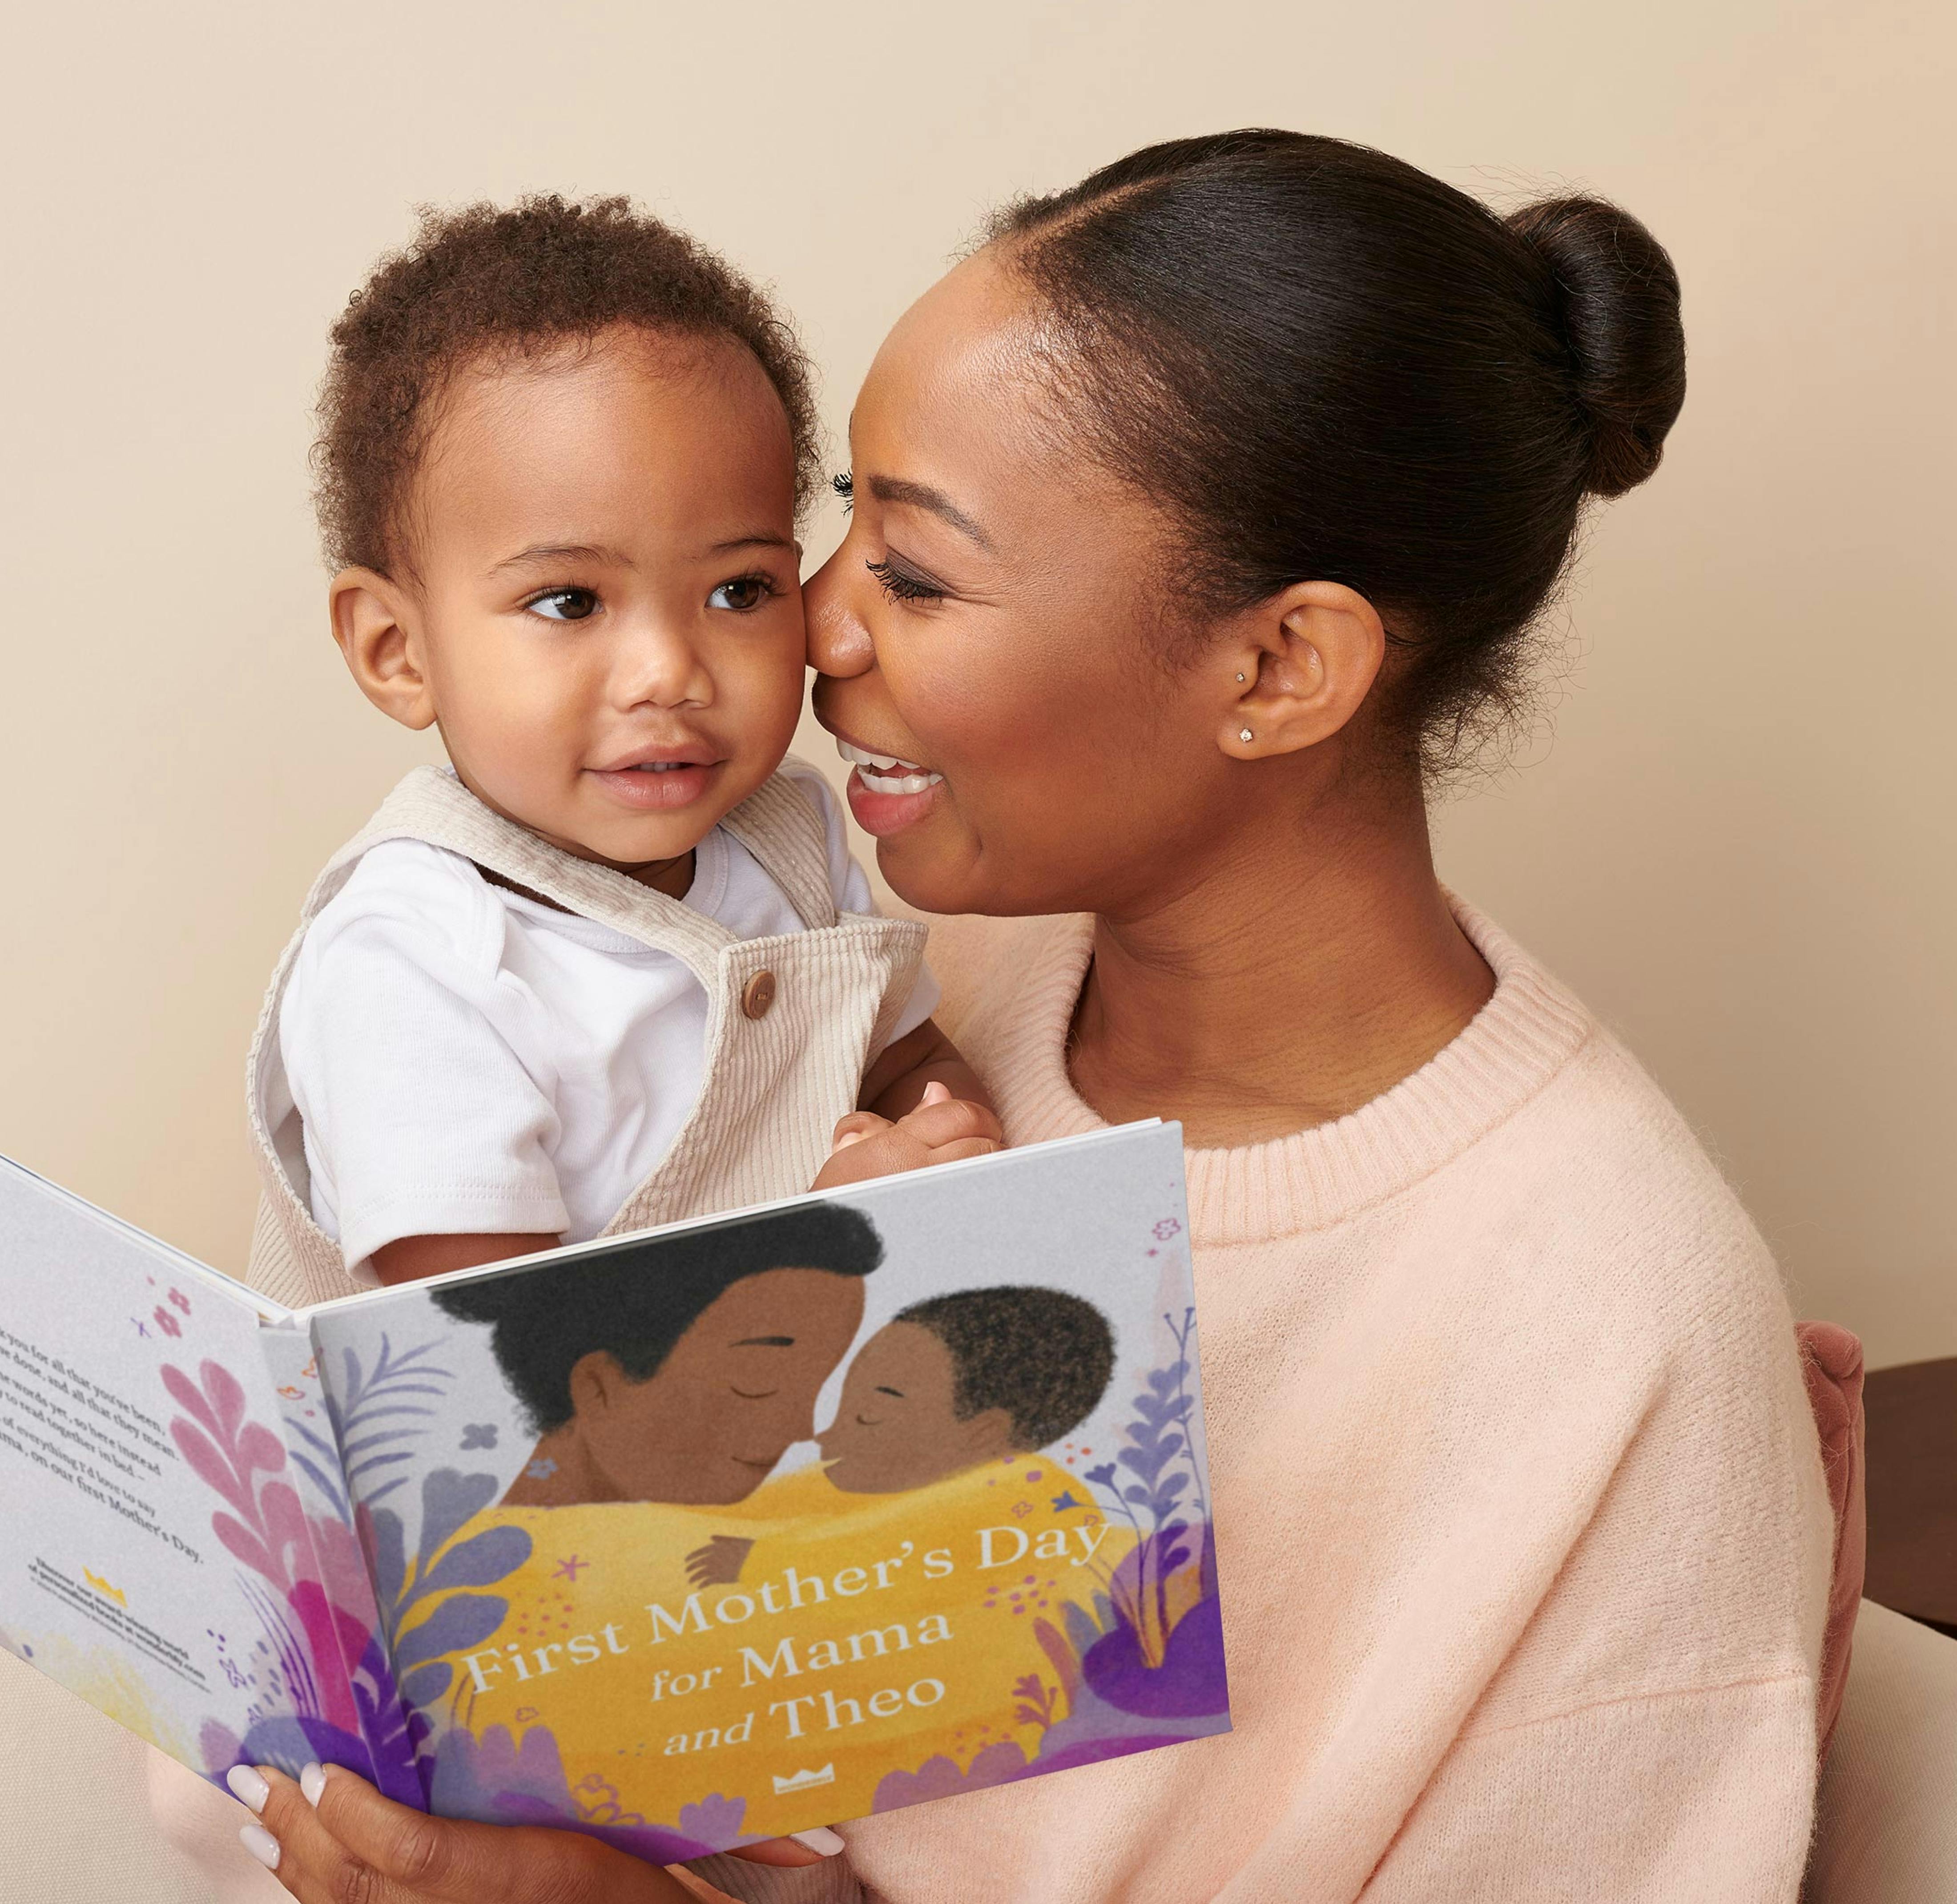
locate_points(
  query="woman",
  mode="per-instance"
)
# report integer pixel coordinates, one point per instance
(681, 1371)
(1200, 518)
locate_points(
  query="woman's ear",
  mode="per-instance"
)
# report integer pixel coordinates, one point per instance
(375, 623)
(1304, 662)
(595, 1379)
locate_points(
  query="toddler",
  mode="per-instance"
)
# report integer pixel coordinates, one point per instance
(615, 964)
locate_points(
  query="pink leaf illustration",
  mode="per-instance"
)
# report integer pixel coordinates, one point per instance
(227, 1395)
(211, 1468)
(245, 1547)
(283, 1520)
(258, 1447)
(186, 1396)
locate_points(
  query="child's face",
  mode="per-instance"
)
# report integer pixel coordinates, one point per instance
(606, 616)
(897, 1425)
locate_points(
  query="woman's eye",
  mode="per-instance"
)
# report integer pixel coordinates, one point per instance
(900, 585)
(844, 484)
(743, 593)
(565, 605)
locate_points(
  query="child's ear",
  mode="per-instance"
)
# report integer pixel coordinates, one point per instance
(376, 624)
(988, 1434)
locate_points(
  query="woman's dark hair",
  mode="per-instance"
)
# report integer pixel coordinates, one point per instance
(1329, 365)
(634, 1301)
(1042, 1355)
(484, 281)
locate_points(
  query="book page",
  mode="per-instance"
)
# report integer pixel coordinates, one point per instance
(826, 1509)
(148, 1553)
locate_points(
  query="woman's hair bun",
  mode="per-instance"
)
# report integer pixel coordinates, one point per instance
(1619, 298)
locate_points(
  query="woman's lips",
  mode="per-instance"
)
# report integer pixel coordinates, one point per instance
(887, 794)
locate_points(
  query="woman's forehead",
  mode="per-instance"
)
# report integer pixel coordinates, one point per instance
(970, 340)
(781, 1293)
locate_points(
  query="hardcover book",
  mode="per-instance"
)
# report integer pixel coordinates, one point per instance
(681, 1539)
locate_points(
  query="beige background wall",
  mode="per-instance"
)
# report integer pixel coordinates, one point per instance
(1739, 846)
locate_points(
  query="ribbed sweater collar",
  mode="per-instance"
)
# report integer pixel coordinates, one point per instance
(1254, 1193)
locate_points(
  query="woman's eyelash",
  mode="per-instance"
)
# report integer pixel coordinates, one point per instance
(901, 586)
(844, 485)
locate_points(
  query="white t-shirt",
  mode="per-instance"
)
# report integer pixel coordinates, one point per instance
(465, 1059)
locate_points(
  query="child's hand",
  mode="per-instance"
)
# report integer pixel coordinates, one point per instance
(941, 1130)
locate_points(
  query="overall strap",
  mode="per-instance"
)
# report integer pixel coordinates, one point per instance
(782, 825)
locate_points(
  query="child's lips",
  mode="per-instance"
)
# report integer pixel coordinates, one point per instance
(657, 780)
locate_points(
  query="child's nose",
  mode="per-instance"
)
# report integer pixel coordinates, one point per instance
(658, 665)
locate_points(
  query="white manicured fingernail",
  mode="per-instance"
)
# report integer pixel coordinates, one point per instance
(937, 1093)
(248, 1788)
(312, 1783)
(262, 1844)
(820, 1839)
(850, 1137)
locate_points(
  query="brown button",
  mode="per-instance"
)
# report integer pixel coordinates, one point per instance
(757, 995)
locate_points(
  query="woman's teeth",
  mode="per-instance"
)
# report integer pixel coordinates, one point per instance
(885, 773)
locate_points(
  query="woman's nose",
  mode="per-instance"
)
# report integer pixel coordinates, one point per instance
(839, 643)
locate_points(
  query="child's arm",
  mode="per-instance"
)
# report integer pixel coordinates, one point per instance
(409, 1259)
(922, 1105)
(895, 1084)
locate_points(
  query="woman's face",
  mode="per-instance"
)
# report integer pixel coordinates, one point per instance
(995, 617)
(737, 1390)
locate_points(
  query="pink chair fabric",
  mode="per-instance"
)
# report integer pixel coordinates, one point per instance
(1830, 1359)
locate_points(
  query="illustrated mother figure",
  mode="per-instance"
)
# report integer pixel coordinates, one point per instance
(1200, 518)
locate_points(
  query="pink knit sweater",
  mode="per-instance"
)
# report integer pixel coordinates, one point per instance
(1523, 1538)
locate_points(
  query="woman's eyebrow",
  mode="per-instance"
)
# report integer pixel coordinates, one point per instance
(921, 495)
(766, 1342)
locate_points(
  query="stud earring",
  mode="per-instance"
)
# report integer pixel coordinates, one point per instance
(1244, 734)
(1240, 677)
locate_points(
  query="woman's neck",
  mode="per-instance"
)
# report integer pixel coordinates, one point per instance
(1294, 980)
(559, 1472)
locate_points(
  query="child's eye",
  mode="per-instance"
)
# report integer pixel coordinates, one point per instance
(743, 593)
(564, 604)
(900, 585)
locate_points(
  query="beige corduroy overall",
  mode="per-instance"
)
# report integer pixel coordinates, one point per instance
(792, 1020)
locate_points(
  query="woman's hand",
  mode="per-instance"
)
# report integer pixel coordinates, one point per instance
(337, 1841)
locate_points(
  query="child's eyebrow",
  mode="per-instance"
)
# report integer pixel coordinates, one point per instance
(562, 552)
(766, 1342)
(765, 539)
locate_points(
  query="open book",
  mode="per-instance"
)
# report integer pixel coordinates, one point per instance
(709, 1533)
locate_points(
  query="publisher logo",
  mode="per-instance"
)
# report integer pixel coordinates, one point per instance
(804, 1780)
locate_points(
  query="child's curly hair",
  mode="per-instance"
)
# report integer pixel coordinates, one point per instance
(483, 280)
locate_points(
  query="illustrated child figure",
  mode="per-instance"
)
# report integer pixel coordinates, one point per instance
(614, 965)
(949, 1385)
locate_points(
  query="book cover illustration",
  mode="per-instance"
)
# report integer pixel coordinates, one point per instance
(703, 1536)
